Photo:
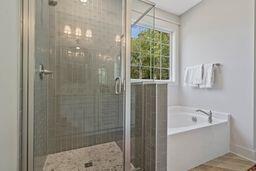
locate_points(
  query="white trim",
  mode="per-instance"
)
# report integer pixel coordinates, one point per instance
(254, 161)
(150, 81)
(173, 57)
(170, 82)
(244, 152)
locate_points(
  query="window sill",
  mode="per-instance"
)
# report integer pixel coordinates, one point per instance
(142, 81)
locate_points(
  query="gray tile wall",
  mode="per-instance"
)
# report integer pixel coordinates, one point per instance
(40, 96)
(137, 126)
(77, 107)
(149, 127)
(161, 127)
(82, 108)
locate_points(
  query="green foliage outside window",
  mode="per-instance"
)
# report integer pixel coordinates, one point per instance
(150, 57)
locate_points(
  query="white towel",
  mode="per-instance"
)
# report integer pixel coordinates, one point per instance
(193, 76)
(208, 76)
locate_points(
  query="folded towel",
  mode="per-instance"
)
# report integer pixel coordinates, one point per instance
(208, 76)
(193, 76)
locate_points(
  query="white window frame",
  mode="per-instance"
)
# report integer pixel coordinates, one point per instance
(173, 68)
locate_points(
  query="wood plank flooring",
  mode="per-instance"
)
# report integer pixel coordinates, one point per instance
(228, 162)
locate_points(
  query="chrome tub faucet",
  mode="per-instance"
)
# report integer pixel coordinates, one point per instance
(206, 113)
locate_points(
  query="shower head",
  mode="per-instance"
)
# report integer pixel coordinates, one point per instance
(53, 2)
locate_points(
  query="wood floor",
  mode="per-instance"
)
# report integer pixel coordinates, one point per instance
(228, 162)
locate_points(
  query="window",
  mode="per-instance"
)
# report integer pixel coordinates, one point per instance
(151, 54)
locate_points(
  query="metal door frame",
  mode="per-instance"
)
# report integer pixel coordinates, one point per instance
(28, 22)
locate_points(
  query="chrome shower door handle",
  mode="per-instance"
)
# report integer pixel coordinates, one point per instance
(118, 86)
(43, 72)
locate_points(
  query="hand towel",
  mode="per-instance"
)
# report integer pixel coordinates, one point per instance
(193, 76)
(208, 76)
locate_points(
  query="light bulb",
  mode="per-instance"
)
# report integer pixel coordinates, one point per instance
(67, 29)
(118, 39)
(83, 2)
(88, 33)
(78, 48)
(78, 32)
(69, 53)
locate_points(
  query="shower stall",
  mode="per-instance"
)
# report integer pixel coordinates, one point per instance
(77, 87)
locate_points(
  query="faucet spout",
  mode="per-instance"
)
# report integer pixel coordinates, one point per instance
(206, 113)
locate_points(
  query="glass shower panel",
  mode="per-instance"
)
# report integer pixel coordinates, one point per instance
(142, 67)
(78, 100)
(142, 40)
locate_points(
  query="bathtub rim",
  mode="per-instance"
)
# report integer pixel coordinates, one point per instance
(220, 117)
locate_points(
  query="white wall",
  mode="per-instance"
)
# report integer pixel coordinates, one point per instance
(222, 31)
(9, 47)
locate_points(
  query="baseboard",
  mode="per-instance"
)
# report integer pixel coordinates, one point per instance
(249, 154)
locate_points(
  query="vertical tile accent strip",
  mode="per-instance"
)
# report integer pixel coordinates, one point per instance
(149, 126)
(161, 127)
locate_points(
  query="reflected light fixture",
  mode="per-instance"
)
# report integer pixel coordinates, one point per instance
(88, 33)
(69, 53)
(118, 39)
(78, 32)
(67, 29)
(83, 1)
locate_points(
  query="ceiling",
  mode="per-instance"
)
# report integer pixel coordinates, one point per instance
(177, 7)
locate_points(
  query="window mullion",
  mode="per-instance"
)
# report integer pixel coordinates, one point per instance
(155, 49)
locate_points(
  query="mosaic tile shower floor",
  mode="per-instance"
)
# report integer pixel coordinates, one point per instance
(104, 157)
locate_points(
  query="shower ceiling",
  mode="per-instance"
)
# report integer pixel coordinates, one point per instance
(177, 7)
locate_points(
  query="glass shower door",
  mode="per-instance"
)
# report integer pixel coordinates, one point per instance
(78, 118)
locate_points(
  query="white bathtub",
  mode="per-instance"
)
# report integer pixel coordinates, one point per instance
(193, 143)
